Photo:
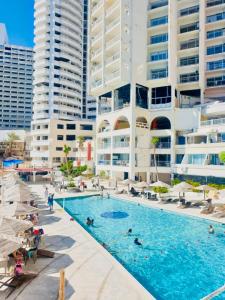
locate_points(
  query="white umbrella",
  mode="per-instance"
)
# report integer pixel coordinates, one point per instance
(128, 182)
(13, 226)
(142, 184)
(8, 245)
(159, 184)
(205, 188)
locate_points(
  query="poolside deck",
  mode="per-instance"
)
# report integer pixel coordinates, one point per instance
(91, 272)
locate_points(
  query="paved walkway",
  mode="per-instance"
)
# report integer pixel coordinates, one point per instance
(91, 272)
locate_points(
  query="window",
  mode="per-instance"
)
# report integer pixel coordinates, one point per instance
(190, 77)
(211, 3)
(216, 81)
(60, 137)
(216, 49)
(191, 60)
(179, 158)
(60, 126)
(216, 65)
(71, 126)
(189, 27)
(215, 33)
(189, 44)
(70, 137)
(216, 17)
(59, 148)
(86, 127)
(45, 138)
(159, 21)
(161, 55)
(158, 4)
(159, 73)
(196, 159)
(161, 38)
(189, 11)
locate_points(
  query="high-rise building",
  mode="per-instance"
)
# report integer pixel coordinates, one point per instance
(180, 100)
(16, 91)
(59, 71)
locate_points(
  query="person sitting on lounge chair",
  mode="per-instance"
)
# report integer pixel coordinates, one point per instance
(133, 191)
(209, 208)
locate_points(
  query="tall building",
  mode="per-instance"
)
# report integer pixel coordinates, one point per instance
(59, 71)
(180, 100)
(16, 92)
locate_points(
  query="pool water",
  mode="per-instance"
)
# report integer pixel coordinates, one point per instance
(178, 259)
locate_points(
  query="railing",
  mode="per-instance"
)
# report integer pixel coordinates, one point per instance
(142, 125)
(163, 145)
(112, 24)
(113, 58)
(104, 146)
(121, 144)
(121, 106)
(163, 102)
(160, 163)
(104, 110)
(121, 163)
(104, 162)
(212, 122)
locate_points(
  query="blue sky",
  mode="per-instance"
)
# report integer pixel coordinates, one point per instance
(18, 17)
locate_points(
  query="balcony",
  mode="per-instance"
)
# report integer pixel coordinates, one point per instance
(104, 162)
(213, 122)
(163, 145)
(121, 163)
(161, 163)
(112, 58)
(104, 146)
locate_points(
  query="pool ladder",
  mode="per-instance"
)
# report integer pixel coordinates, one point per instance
(215, 293)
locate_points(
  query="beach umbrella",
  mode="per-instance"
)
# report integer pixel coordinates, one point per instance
(13, 226)
(8, 244)
(142, 185)
(128, 182)
(17, 209)
(204, 189)
(182, 187)
(159, 184)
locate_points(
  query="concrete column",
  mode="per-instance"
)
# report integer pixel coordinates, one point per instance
(34, 176)
(132, 131)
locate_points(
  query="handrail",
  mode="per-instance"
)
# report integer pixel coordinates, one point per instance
(215, 293)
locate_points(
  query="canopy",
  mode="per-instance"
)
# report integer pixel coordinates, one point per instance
(8, 245)
(205, 188)
(13, 226)
(9, 162)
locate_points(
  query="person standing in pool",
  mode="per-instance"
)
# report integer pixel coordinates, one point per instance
(129, 232)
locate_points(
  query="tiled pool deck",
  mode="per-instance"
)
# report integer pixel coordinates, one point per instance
(91, 272)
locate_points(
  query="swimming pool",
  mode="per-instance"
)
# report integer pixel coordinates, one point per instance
(178, 260)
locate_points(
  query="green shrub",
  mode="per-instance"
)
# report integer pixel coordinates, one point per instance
(194, 183)
(175, 181)
(160, 190)
(71, 184)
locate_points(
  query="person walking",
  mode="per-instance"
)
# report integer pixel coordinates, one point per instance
(46, 193)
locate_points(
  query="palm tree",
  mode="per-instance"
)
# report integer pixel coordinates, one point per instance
(222, 157)
(80, 146)
(66, 151)
(154, 142)
(12, 137)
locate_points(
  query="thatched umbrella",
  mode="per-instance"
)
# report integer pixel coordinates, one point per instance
(13, 226)
(182, 187)
(160, 184)
(8, 245)
(205, 188)
(128, 182)
(142, 185)
(17, 209)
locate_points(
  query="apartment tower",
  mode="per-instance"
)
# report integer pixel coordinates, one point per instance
(182, 62)
(59, 73)
(16, 90)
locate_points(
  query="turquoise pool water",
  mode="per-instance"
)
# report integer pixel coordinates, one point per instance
(178, 260)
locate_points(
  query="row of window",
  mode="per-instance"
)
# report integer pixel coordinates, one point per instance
(216, 65)
(71, 137)
(73, 126)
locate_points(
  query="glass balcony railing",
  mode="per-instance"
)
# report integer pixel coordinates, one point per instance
(212, 122)
(104, 162)
(160, 163)
(121, 144)
(163, 145)
(104, 146)
(121, 163)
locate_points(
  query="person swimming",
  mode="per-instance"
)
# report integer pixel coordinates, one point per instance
(129, 232)
(89, 221)
(137, 242)
(211, 229)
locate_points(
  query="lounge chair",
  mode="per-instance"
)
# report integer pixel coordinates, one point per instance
(16, 281)
(133, 192)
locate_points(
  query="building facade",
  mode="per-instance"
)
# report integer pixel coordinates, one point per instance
(16, 90)
(50, 136)
(164, 87)
(60, 69)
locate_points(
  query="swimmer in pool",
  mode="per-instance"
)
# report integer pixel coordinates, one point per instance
(129, 232)
(137, 242)
(211, 229)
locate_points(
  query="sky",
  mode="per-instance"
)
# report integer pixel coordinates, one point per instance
(18, 16)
